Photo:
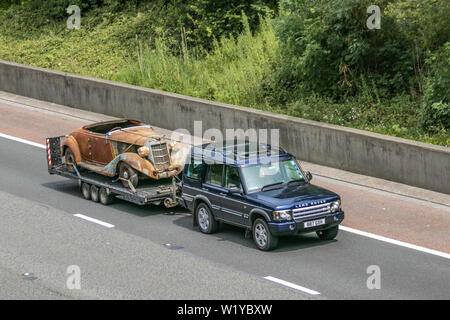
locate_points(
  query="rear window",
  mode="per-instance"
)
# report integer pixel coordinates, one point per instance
(214, 174)
(194, 169)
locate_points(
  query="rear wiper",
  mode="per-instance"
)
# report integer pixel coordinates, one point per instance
(272, 186)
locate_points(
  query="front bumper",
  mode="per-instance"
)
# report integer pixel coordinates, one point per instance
(297, 226)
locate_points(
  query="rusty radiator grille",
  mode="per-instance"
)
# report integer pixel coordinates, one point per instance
(160, 156)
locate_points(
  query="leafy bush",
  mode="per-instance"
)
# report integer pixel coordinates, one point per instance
(232, 72)
(436, 107)
(328, 46)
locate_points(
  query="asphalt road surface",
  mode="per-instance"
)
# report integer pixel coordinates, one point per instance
(153, 252)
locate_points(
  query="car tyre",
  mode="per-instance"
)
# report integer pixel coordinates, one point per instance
(262, 237)
(328, 234)
(86, 190)
(104, 197)
(205, 219)
(94, 193)
(128, 173)
(70, 160)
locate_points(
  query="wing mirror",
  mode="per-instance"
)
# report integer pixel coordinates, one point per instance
(308, 175)
(234, 189)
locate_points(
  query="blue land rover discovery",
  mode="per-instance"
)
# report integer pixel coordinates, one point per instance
(259, 188)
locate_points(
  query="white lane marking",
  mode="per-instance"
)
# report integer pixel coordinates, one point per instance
(359, 232)
(105, 224)
(292, 285)
(396, 242)
(31, 143)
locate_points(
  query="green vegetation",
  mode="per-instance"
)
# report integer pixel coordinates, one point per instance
(314, 59)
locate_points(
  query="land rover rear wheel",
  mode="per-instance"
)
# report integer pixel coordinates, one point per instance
(205, 219)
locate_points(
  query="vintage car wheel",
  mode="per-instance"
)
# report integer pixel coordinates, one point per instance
(70, 160)
(128, 173)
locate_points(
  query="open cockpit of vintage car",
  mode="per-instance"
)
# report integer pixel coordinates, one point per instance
(127, 149)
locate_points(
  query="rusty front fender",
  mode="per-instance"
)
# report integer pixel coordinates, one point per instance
(133, 160)
(72, 143)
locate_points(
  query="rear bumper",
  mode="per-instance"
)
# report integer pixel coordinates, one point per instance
(297, 226)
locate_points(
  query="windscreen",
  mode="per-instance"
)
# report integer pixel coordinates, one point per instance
(261, 175)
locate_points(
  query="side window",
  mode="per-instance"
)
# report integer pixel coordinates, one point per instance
(214, 174)
(194, 169)
(232, 177)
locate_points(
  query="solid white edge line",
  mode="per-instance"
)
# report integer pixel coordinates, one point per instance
(105, 224)
(292, 285)
(347, 229)
(396, 242)
(31, 143)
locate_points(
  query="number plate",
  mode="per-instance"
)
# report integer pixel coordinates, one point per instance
(314, 223)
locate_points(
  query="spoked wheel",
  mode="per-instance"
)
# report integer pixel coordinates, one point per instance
(128, 173)
(70, 160)
(262, 237)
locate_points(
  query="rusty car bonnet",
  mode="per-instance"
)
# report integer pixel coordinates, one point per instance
(137, 135)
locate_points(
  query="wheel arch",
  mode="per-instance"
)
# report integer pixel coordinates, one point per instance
(72, 143)
(255, 213)
(197, 201)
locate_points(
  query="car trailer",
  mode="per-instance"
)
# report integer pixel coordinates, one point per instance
(103, 189)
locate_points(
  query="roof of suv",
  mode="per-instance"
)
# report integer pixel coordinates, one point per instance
(239, 153)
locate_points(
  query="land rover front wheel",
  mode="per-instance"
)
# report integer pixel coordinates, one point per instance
(262, 237)
(328, 234)
(205, 219)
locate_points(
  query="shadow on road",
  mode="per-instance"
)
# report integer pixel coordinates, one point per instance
(225, 233)
(235, 234)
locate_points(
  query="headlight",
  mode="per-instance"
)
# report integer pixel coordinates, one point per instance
(172, 145)
(282, 215)
(335, 206)
(143, 151)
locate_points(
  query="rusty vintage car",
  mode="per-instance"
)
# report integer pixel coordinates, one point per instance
(125, 148)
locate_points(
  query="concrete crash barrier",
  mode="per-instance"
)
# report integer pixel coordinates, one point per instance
(413, 163)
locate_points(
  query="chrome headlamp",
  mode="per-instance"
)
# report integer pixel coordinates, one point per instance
(143, 151)
(335, 206)
(282, 215)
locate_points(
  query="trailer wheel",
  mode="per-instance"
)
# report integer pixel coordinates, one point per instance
(128, 173)
(86, 190)
(104, 197)
(94, 193)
